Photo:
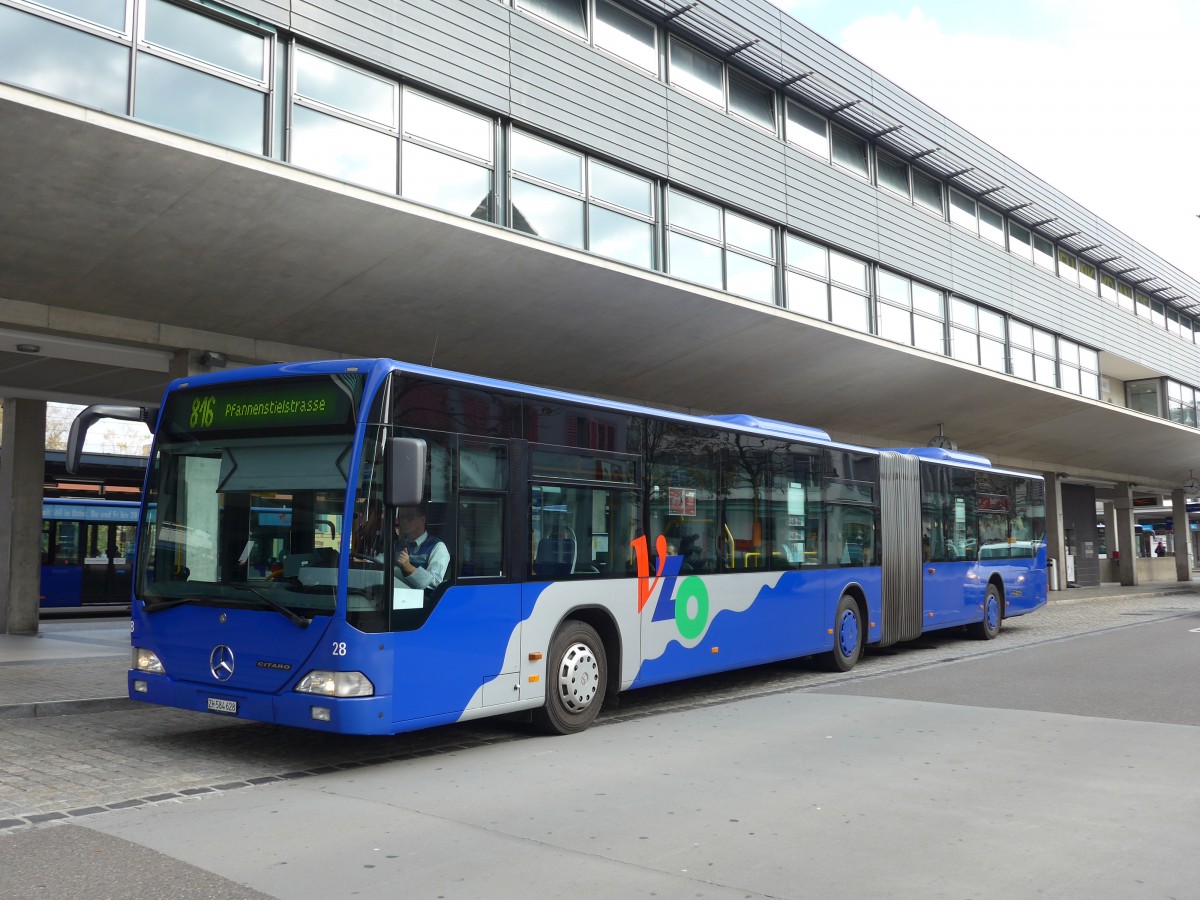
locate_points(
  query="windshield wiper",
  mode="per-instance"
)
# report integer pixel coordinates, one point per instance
(167, 604)
(275, 605)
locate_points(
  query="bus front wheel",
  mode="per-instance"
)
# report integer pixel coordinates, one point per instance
(576, 678)
(993, 614)
(848, 634)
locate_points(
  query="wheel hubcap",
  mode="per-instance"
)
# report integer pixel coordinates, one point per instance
(578, 677)
(993, 611)
(848, 633)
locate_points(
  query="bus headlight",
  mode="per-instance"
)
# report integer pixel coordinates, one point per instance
(147, 661)
(336, 684)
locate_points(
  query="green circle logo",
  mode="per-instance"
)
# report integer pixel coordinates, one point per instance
(691, 626)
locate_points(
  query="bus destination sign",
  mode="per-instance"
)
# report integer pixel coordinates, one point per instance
(272, 405)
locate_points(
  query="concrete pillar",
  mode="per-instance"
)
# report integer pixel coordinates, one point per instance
(1183, 565)
(185, 363)
(1055, 549)
(1123, 505)
(22, 474)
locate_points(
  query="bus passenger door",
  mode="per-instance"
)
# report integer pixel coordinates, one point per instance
(943, 590)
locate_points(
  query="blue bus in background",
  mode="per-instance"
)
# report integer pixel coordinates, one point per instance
(448, 547)
(87, 551)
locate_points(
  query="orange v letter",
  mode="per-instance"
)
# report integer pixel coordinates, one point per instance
(644, 584)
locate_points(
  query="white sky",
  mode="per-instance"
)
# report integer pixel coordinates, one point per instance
(1097, 97)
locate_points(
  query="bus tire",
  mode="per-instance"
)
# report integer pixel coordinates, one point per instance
(993, 615)
(576, 679)
(848, 636)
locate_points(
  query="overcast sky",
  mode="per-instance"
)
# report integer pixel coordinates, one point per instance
(1099, 98)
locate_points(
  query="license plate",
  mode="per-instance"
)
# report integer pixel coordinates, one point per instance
(215, 704)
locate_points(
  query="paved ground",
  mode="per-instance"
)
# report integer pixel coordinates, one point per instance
(112, 754)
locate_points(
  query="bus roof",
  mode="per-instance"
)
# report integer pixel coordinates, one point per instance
(377, 369)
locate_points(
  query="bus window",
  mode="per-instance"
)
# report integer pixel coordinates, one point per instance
(581, 532)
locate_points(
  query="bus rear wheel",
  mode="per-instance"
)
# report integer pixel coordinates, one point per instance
(993, 614)
(847, 637)
(576, 679)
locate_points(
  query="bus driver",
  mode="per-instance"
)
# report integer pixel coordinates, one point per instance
(420, 557)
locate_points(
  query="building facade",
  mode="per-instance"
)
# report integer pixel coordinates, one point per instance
(720, 149)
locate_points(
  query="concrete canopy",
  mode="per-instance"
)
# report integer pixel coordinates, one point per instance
(121, 244)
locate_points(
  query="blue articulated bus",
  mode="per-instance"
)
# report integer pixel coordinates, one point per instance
(87, 551)
(449, 547)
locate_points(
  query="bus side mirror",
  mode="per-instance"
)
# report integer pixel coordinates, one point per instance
(92, 414)
(404, 483)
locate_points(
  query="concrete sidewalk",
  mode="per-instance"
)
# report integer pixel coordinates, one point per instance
(68, 667)
(79, 666)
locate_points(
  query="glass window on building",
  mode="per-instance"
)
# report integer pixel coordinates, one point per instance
(849, 301)
(621, 215)
(927, 193)
(205, 40)
(892, 174)
(1045, 358)
(626, 36)
(1125, 296)
(344, 122)
(1033, 353)
(1087, 277)
(191, 101)
(1020, 349)
(752, 101)
(695, 256)
(111, 14)
(991, 225)
(850, 152)
(723, 250)
(908, 312)
(1141, 304)
(202, 76)
(929, 319)
(1158, 314)
(750, 258)
(807, 257)
(1145, 396)
(347, 90)
(962, 211)
(1068, 268)
(1089, 373)
(807, 129)
(992, 340)
(547, 190)
(570, 15)
(1181, 403)
(808, 296)
(1020, 241)
(446, 157)
(848, 271)
(1173, 325)
(697, 73)
(44, 56)
(1043, 253)
(1068, 366)
(442, 180)
(964, 331)
(448, 126)
(1108, 287)
(695, 215)
(807, 277)
(342, 149)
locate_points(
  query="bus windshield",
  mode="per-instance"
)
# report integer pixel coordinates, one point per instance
(248, 513)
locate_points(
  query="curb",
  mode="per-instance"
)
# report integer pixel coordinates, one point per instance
(42, 709)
